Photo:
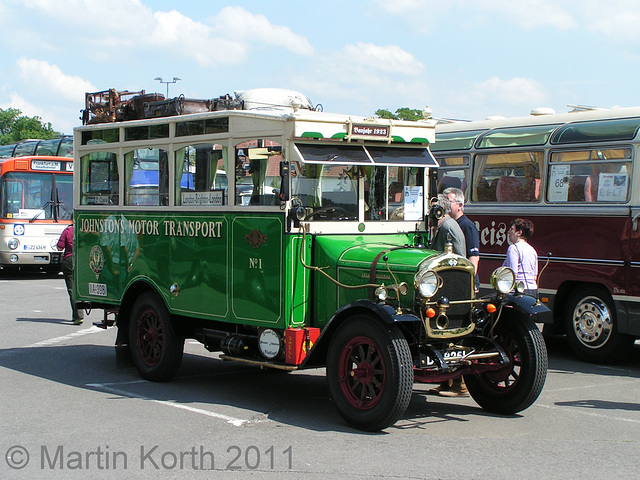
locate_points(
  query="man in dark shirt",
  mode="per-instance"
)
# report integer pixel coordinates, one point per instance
(470, 231)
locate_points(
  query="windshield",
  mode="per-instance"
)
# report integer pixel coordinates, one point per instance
(334, 192)
(31, 196)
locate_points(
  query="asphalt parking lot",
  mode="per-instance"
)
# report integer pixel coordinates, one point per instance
(68, 411)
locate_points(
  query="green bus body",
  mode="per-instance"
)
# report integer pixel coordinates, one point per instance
(237, 268)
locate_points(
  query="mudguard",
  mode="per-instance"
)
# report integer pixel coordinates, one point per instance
(530, 306)
(386, 313)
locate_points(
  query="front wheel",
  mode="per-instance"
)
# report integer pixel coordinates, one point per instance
(155, 349)
(591, 327)
(370, 373)
(516, 386)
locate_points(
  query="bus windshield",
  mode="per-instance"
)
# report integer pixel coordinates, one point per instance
(29, 195)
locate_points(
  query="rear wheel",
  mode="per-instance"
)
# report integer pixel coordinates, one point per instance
(155, 349)
(516, 386)
(370, 373)
(592, 330)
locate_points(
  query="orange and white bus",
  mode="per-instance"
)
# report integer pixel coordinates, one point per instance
(575, 176)
(35, 206)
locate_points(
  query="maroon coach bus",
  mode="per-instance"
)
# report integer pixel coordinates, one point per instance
(574, 176)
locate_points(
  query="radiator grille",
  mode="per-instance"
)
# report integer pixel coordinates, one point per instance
(457, 285)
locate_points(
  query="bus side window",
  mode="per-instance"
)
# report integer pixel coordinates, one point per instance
(258, 173)
(99, 184)
(200, 175)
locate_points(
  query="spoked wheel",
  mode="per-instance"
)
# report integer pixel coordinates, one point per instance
(592, 331)
(516, 386)
(156, 351)
(370, 373)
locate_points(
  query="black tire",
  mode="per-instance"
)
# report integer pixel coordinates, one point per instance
(370, 373)
(155, 349)
(518, 385)
(592, 327)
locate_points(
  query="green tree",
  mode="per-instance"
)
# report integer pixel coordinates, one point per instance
(403, 113)
(15, 127)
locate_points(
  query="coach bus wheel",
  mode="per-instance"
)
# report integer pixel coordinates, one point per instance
(370, 373)
(156, 350)
(592, 330)
(515, 387)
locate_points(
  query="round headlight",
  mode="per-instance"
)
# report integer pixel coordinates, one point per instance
(54, 245)
(503, 279)
(13, 243)
(427, 283)
(382, 293)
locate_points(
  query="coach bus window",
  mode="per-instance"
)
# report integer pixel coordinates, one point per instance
(620, 129)
(258, 172)
(516, 136)
(25, 148)
(201, 175)
(453, 172)
(455, 140)
(99, 180)
(507, 177)
(65, 149)
(147, 177)
(590, 175)
(48, 147)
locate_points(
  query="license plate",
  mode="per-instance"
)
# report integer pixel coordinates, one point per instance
(455, 353)
(98, 289)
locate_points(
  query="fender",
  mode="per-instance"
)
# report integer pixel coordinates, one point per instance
(386, 313)
(529, 306)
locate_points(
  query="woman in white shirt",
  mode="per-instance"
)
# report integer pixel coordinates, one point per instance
(522, 258)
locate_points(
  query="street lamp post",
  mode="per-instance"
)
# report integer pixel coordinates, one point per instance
(175, 79)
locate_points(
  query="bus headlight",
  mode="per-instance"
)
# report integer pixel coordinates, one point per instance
(54, 245)
(503, 279)
(427, 283)
(13, 243)
(13, 258)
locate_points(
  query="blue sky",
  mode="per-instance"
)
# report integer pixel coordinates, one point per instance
(466, 59)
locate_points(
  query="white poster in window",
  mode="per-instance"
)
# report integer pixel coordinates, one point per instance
(559, 183)
(215, 197)
(612, 187)
(413, 203)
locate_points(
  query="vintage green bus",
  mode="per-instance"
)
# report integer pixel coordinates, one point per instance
(290, 238)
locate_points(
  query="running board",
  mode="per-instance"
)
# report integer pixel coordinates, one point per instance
(260, 363)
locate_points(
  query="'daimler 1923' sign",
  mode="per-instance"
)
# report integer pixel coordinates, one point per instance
(380, 131)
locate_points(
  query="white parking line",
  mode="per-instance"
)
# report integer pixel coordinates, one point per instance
(590, 414)
(236, 422)
(53, 341)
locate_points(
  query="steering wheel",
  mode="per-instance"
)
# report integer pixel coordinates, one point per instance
(328, 213)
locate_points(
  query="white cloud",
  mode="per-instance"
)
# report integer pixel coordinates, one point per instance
(389, 58)
(615, 18)
(17, 101)
(50, 78)
(130, 24)
(529, 15)
(237, 22)
(533, 13)
(515, 91)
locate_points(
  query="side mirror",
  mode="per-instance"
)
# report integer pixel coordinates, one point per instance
(285, 185)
